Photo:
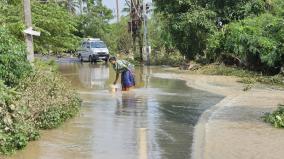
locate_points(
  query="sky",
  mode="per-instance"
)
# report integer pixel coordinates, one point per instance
(112, 4)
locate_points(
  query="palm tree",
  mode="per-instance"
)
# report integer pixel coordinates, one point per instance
(71, 5)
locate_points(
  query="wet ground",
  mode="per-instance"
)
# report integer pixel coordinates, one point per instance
(155, 120)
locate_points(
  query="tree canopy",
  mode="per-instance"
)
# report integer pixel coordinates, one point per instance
(58, 22)
(250, 31)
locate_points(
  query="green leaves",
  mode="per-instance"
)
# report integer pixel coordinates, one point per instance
(252, 36)
(57, 27)
(42, 100)
(276, 118)
(95, 23)
(13, 63)
(14, 134)
(189, 25)
(252, 33)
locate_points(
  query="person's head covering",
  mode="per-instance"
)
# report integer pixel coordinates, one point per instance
(112, 58)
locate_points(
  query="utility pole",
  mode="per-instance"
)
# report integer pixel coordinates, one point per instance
(117, 10)
(29, 32)
(28, 23)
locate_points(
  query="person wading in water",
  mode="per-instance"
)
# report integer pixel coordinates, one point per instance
(124, 68)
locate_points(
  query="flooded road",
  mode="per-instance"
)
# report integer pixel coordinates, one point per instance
(153, 121)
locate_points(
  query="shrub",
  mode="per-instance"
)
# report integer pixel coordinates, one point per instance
(48, 97)
(256, 42)
(276, 118)
(13, 61)
(41, 101)
(15, 132)
(162, 57)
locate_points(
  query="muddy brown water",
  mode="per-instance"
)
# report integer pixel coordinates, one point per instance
(153, 121)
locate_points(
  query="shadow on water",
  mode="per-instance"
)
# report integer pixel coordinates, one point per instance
(155, 120)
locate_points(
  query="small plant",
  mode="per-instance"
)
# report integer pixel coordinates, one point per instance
(275, 118)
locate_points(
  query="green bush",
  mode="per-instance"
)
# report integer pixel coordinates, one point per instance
(13, 61)
(256, 42)
(275, 118)
(48, 97)
(55, 116)
(15, 132)
(163, 58)
(42, 100)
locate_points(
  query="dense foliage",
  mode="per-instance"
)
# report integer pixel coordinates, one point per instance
(57, 28)
(33, 97)
(163, 50)
(189, 25)
(41, 101)
(48, 97)
(119, 39)
(55, 23)
(61, 28)
(15, 132)
(95, 23)
(257, 42)
(248, 33)
(13, 63)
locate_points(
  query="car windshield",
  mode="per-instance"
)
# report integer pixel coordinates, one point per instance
(98, 44)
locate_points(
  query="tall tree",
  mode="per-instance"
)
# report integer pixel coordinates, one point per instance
(191, 22)
(71, 5)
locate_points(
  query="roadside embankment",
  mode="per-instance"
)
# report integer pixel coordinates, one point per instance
(233, 128)
(42, 100)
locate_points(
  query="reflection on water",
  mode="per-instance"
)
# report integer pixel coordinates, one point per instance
(153, 121)
(87, 76)
(94, 76)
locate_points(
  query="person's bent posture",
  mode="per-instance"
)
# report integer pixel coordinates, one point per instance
(124, 68)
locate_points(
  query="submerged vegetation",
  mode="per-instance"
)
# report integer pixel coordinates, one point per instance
(275, 118)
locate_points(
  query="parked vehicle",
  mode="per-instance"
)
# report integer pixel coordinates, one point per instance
(93, 50)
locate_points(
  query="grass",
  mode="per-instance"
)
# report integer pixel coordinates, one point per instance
(249, 78)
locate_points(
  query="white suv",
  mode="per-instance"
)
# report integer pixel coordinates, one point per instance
(93, 50)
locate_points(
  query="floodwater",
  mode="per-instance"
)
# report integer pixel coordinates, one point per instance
(153, 121)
